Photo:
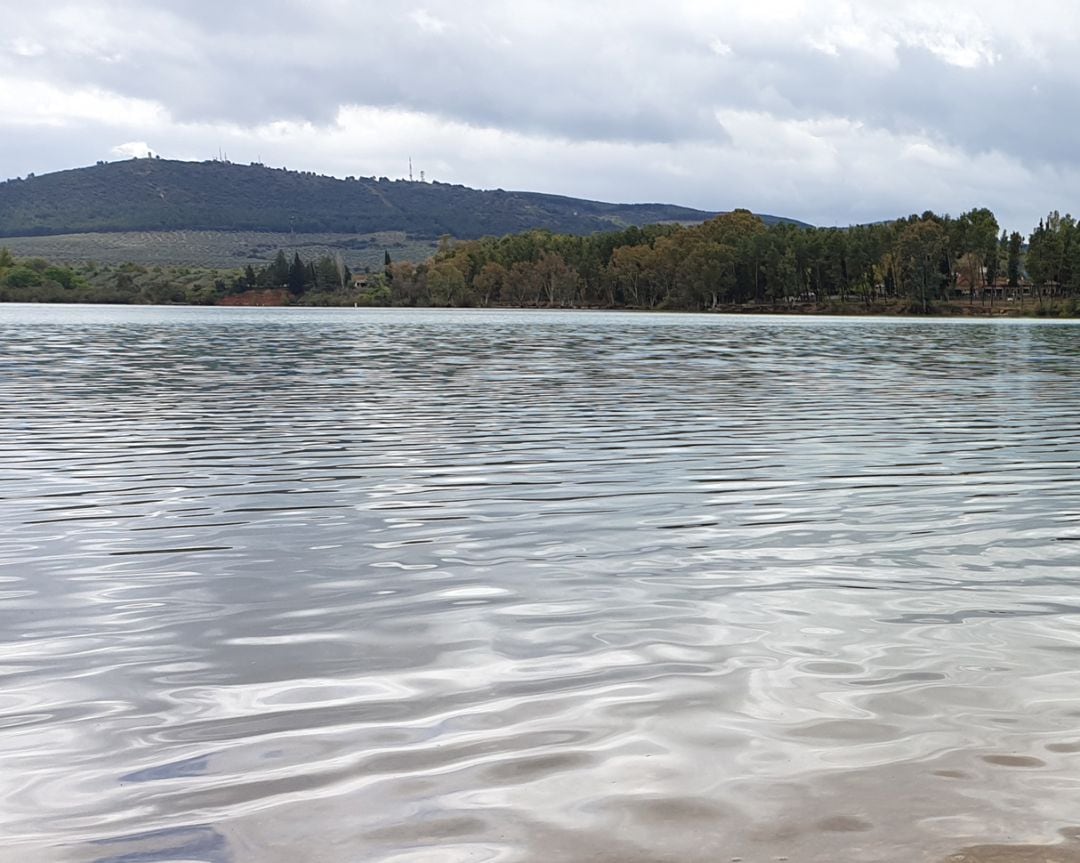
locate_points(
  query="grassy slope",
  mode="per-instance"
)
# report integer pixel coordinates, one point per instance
(218, 249)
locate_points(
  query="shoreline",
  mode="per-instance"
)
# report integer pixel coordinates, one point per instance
(941, 311)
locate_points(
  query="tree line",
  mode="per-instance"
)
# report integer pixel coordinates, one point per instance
(323, 281)
(324, 275)
(735, 259)
(918, 264)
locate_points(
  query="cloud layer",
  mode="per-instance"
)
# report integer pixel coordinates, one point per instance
(831, 111)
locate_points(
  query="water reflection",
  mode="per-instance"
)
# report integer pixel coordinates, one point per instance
(176, 844)
(409, 586)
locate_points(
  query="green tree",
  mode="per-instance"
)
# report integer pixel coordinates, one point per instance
(1016, 242)
(22, 277)
(446, 284)
(630, 268)
(489, 282)
(922, 247)
(297, 276)
(558, 280)
(277, 274)
(327, 275)
(60, 275)
(978, 244)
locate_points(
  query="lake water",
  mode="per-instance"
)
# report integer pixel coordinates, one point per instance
(376, 585)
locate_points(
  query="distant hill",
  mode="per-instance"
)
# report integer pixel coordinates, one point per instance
(165, 195)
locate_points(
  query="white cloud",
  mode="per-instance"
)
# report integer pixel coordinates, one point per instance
(26, 47)
(132, 150)
(720, 48)
(27, 102)
(870, 45)
(427, 22)
(927, 154)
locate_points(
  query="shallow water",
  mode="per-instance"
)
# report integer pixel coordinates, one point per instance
(345, 585)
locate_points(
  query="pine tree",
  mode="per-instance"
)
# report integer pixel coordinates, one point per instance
(277, 274)
(297, 273)
(1015, 242)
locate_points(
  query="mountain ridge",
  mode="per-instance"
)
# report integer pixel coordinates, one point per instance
(155, 194)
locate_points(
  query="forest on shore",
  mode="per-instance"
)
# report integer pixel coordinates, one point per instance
(922, 264)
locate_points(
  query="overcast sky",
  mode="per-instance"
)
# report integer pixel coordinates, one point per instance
(829, 111)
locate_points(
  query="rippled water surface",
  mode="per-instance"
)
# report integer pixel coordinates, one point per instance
(348, 585)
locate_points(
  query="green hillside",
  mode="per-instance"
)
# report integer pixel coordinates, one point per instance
(164, 195)
(219, 249)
